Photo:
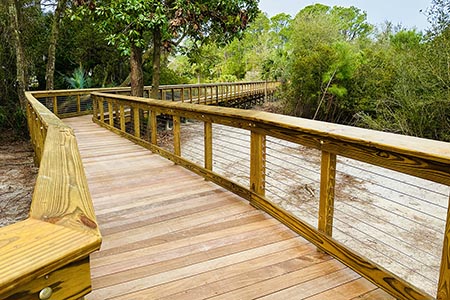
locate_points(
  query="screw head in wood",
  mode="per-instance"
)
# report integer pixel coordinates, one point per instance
(45, 293)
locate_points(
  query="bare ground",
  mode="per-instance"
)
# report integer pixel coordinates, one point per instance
(17, 178)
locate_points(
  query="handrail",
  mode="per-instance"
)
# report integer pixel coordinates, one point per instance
(193, 93)
(414, 156)
(54, 243)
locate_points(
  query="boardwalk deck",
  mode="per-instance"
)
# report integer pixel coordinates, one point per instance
(169, 234)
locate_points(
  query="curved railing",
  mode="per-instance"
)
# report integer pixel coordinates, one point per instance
(136, 119)
(47, 255)
(68, 103)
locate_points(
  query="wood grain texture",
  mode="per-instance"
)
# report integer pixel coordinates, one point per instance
(177, 135)
(61, 194)
(257, 163)
(136, 123)
(70, 282)
(208, 144)
(32, 248)
(374, 273)
(193, 240)
(62, 228)
(327, 185)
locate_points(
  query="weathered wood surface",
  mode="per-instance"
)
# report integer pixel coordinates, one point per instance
(168, 234)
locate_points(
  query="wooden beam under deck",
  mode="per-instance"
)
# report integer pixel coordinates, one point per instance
(169, 234)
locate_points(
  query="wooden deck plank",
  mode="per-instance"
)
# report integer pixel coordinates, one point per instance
(343, 292)
(169, 234)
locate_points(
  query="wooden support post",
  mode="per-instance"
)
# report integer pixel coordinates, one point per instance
(101, 109)
(190, 95)
(265, 91)
(94, 107)
(444, 275)
(212, 95)
(182, 95)
(208, 140)
(176, 135)
(327, 184)
(110, 113)
(217, 94)
(78, 103)
(55, 105)
(137, 122)
(122, 117)
(198, 92)
(148, 126)
(258, 163)
(154, 127)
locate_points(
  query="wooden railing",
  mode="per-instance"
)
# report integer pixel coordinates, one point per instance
(418, 157)
(69, 103)
(47, 255)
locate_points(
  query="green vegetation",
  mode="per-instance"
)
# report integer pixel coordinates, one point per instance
(335, 66)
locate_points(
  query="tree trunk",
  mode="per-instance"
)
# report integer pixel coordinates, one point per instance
(145, 57)
(50, 71)
(136, 73)
(21, 83)
(156, 63)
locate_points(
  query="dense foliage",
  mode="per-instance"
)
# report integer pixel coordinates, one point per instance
(335, 66)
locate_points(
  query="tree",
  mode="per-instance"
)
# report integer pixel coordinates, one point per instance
(132, 24)
(14, 10)
(325, 46)
(50, 71)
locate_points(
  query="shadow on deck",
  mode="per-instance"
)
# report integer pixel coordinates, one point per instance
(168, 233)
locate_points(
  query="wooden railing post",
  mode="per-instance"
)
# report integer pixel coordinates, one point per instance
(154, 127)
(122, 117)
(265, 90)
(327, 185)
(137, 122)
(94, 107)
(444, 275)
(208, 140)
(55, 105)
(217, 94)
(101, 109)
(78, 103)
(110, 113)
(176, 135)
(258, 163)
(182, 95)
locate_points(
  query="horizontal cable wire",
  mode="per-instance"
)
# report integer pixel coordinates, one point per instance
(381, 253)
(393, 179)
(396, 191)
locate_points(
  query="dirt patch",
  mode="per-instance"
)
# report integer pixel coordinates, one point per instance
(17, 178)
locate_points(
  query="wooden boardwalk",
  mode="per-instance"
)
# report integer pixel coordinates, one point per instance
(169, 234)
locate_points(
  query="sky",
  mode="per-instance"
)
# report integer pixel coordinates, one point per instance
(404, 12)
